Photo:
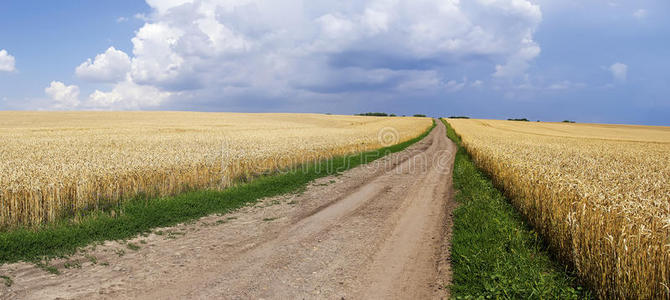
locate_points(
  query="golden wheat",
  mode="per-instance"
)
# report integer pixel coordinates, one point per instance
(600, 194)
(54, 164)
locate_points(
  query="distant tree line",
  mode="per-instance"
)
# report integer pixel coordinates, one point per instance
(526, 120)
(373, 114)
(459, 117)
(381, 114)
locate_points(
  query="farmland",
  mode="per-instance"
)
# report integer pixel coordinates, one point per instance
(599, 194)
(358, 221)
(57, 165)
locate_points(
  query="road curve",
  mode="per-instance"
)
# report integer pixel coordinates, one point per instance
(378, 231)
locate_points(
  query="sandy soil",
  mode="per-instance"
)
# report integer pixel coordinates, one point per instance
(379, 231)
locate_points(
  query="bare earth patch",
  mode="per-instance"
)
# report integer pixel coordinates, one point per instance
(376, 231)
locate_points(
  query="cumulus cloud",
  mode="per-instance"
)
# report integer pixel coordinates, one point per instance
(127, 95)
(619, 71)
(518, 62)
(63, 96)
(7, 62)
(321, 48)
(111, 66)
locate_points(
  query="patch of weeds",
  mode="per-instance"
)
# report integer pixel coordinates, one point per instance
(301, 191)
(91, 258)
(8, 280)
(171, 235)
(120, 252)
(332, 181)
(269, 219)
(72, 265)
(159, 232)
(133, 247)
(106, 264)
(44, 265)
(219, 222)
(292, 202)
(231, 218)
(143, 242)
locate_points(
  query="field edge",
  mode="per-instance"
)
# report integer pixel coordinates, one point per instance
(495, 253)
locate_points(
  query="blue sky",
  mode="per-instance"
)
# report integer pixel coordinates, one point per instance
(589, 61)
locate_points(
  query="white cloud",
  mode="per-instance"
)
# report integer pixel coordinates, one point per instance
(127, 95)
(640, 13)
(111, 66)
(286, 48)
(162, 6)
(121, 19)
(63, 96)
(619, 71)
(155, 62)
(518, 63)
(7, 62)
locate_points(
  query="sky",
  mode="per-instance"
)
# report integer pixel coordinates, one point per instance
(599, 61)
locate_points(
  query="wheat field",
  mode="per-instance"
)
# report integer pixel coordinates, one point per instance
(600, 194)
(59, 164)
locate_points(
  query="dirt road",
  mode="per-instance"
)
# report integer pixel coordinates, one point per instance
(379, 231)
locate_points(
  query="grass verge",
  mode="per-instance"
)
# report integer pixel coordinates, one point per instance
(495, 255)
(141, 215)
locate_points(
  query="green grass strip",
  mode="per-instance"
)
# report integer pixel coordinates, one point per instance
(495, 255)
(142, 215)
